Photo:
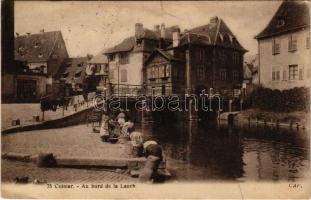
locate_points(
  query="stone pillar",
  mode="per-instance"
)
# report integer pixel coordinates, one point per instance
(193, 113)
(230, 105)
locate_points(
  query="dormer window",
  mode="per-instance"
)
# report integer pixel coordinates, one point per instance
(112, 57)
(231, 38)
(20, 48)
(280, 22)
(36, 45)
(139, 42)
(221, 37)
(40, 55)
(65, 75)
(78, 74)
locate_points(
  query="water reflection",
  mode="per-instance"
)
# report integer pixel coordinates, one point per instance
(197, 151)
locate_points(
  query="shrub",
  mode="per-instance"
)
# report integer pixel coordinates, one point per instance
(295, 99)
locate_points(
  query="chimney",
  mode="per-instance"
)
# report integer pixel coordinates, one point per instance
(139, 30)
(157, 28)
(214, 20)
(162, 30)
(176, 38)
(187, 34)
(42, 30)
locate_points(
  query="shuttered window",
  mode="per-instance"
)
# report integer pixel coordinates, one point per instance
(292, 43)
(275, 47)
(162, 71)
(293, 72)
(123, 75)
(168, 71)
(301, 72)
(111, 74)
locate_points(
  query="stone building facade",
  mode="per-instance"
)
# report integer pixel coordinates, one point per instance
(126, 59)
(205, 57)
(284, 48)
(39, 57)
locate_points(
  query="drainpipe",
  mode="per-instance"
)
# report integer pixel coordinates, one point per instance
(118, 78)
(258, 62)
(188, 70)
(188, 63)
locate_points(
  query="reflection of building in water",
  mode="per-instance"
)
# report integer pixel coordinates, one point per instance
(206, 153)
(271, 154)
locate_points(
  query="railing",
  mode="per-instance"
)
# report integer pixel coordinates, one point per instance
(160, 90)
(127, 90)
(59, 107)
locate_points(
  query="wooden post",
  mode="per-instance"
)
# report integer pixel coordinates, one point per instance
(230, 105)
(291, 124)
(43, 116)
(63, 111)
(277, 124)
(190, 109)
(241, 104)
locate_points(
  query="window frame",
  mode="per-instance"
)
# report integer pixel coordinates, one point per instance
(293, 72)
(276, 47)
(223, 74)
(235, 75)
(292, 43)
(123, 75)
(124, 58)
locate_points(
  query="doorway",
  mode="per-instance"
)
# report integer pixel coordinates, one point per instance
(26, 90)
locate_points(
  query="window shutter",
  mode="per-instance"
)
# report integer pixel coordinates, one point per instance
(167, 71)
(284, 75)
(273, 75)
(273, 42)
(162, 68)
(289, 43)
(111, 74)
(123, 75)
(301, 70)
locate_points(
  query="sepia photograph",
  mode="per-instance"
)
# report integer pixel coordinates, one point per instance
(155, 99)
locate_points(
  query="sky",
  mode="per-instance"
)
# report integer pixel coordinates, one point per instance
(89, 27)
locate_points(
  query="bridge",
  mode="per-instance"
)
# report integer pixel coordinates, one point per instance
(155, 95)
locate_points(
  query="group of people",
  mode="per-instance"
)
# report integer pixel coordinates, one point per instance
(114, 128)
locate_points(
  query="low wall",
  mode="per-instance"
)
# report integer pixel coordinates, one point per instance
(74, 119)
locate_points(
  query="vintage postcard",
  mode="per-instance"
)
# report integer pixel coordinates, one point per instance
(155, 99)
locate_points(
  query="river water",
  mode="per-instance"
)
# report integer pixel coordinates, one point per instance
(195, 151)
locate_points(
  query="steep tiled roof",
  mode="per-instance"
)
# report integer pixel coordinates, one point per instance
(74, 67)
(193, 38)
(129, 43)
(35, 47)
(290, 16)
(163, 53)
(126, 45)
(216, 33)
(99, 58)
